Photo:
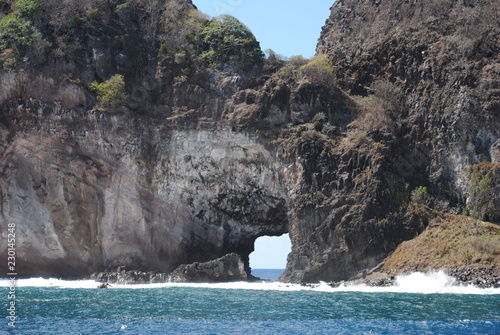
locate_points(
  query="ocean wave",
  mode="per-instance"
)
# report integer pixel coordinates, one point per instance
(419, 283)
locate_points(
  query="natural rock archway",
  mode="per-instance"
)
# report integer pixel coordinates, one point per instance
(108, 195)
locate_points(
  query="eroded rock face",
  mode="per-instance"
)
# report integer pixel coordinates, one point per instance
(97, 191)
(225, 269)
(198, 166)
(186, 172)
(432, 71)
(123, 276)
(439, 55)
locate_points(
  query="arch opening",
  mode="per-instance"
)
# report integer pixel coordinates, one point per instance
(268, 261)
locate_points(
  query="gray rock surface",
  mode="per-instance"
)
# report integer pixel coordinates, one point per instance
(196, 166)
(115, 191)
(431, 71)
(225, 269)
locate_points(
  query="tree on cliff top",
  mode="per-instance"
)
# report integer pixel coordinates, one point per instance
(226, 39)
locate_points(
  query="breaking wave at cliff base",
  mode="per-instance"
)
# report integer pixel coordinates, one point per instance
(418, 283)
(53, 306)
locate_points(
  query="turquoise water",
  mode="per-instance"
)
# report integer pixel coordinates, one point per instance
(55, 308)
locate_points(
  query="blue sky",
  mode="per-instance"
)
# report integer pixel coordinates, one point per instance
(270, 252)
(289, 28)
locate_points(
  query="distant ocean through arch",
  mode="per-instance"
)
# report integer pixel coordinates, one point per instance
(268, 274)
(417, 304)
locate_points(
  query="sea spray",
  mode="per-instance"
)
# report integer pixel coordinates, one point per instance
(418, 283)
(53, 306)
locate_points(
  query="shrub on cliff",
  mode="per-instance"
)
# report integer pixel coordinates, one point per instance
(298, 61)
(420, 195)
(273, 59)
(484, 192)
(319, 69)
(111, 93)
(181, 28)
(226, 39)
(389, 95)
(17, 30)
(28, 8)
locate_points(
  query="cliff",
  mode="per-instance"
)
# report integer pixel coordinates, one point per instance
(207, 153)
(426, 75)
(151, 184)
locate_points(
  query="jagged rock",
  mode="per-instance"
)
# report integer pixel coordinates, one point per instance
(495, 152)
(159, 183)
(435, 71)
(198, 166)
(225, 269)
(480, 277)
(122, 276)
(108, 194)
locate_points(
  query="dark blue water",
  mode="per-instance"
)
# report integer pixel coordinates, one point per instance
(215, 310)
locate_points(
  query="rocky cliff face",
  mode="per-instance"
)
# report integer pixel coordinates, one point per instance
(427, 78)
(151, 186)
(93, 190)
(201, 161)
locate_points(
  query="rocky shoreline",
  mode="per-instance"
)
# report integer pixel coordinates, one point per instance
(479, 277)
(386, 146)
(228, 268)
(482, 277)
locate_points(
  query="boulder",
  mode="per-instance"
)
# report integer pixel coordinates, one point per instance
(228, 268)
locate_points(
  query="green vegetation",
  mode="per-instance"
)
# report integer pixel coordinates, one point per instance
(319, 120)
(274, 59)
(17, 31)
(319, 69)
(122, 7)
(93, 14)
(298, 61)
(484, 190)
(186, 71)
(420, 195)
(181, 30)
(163, 50)
(194, 24)
(111, 93)
(271, 55)
(226, 39)
(181, 57)
(75, 21)
(27, 8)
(10, 64)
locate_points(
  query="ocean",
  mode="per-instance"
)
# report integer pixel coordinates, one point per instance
(418, 304)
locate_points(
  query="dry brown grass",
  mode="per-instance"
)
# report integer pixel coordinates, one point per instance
(450, 241)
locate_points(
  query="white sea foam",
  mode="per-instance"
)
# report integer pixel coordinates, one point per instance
(51, 282)
(421, 283)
